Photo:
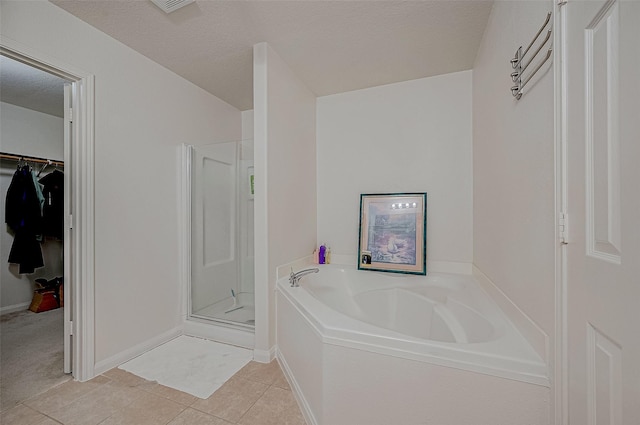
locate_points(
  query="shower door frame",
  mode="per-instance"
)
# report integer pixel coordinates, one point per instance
(235, 334)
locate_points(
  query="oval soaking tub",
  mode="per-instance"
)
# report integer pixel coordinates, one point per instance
(362, 347)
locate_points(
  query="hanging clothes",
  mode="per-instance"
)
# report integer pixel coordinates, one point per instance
(22, 215)
(38, 188)
(53, 211)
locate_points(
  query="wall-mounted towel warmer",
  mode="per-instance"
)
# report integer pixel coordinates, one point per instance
(519, 66)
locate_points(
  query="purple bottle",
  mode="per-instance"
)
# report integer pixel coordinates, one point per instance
(321, 254)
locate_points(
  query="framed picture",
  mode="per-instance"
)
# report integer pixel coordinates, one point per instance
(393, 230)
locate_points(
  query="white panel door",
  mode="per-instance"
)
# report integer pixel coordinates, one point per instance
(214, 221)
(603, 205)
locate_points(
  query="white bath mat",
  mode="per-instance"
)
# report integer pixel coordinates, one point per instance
(192, 365)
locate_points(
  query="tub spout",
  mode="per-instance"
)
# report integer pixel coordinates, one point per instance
(294, 278)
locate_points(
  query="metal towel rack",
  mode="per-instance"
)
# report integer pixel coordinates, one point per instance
(517, 62)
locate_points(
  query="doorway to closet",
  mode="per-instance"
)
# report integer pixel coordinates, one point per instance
(79, 274)
(34, 131)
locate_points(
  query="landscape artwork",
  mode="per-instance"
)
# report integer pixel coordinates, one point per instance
(393, 233)
(392, 237)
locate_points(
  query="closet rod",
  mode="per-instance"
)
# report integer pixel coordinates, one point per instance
(5, 155)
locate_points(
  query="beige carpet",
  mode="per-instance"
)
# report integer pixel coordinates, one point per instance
(31, 355)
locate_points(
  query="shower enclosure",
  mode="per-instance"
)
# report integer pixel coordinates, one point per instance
(222, 260)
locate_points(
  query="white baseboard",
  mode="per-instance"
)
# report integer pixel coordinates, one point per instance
(231, 336)
(264, 356)
(527, 327)
(295, 389)
(133, 352)
(15, 307)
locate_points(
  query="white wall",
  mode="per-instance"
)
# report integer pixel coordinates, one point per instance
(513, 145)
(142, 111)
(285, 158)
(247, 125)
(30, 132)
(513, 162)
(413, 136)
(26, 132)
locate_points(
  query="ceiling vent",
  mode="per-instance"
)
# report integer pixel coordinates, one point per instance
(171, 5)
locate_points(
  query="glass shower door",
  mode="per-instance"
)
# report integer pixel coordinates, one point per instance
(218, 260)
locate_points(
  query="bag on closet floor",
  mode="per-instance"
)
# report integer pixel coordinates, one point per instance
(43, 301)
(48, 295)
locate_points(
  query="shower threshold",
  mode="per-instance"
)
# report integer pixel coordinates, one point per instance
(238, 310)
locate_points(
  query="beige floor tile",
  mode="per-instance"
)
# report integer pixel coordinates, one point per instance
(97, 405)
(148, 409)
(232, 400)
(265, 373)
(48, 421)
(275, 407)
(126, 378)
(170, 393)
(281, 381)
(64, 394)
(194, 417)
(257, 395)
(21, 415)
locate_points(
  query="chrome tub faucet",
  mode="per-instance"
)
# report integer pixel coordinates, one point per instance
(294, 278)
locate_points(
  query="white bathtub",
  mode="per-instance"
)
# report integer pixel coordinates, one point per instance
(363, 347)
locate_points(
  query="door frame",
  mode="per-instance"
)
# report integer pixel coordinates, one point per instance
(82, 261)
(560, 372)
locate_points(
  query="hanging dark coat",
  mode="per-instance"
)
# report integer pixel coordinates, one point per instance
(23, 216)
(53, 210)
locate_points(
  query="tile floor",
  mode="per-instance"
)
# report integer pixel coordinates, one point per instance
(257, 395)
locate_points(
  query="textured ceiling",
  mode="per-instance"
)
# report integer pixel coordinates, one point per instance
(31, 88)
(332, 46)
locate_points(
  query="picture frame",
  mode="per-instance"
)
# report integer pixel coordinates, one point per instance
(393, 233)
